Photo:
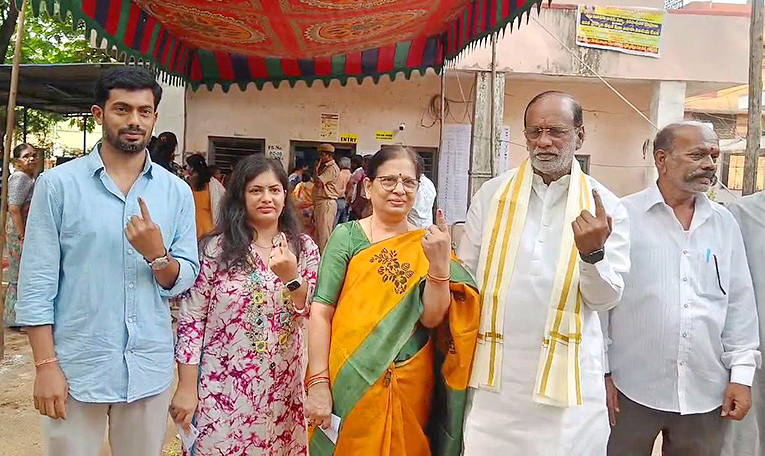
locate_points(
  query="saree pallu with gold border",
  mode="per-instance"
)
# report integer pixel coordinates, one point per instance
(398, 388)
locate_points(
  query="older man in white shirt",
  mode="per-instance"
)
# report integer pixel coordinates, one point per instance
(684, 339)
(548, 246)
(748, 437)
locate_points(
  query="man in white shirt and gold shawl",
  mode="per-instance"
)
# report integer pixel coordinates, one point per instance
(548, 246)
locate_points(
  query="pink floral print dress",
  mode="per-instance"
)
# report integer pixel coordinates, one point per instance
(241, 328)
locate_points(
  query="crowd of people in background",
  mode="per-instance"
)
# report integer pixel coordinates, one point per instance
(339, 191)
(568, 322)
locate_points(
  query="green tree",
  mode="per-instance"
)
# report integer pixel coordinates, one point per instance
(47, 40)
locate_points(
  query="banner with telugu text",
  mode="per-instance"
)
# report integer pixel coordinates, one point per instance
(635, 31)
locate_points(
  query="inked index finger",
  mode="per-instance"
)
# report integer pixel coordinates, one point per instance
(441, 220)
(600, 211)
(144, 210)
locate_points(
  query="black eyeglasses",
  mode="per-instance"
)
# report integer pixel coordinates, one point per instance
(389, 183)
(554, 132)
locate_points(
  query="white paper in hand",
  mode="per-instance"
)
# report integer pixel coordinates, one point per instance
(334, 428)
(188, 438)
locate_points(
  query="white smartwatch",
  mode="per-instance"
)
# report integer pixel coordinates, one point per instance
(294, 284)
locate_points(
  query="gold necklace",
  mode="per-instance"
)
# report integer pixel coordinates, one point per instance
(255, 241)
(372, 231)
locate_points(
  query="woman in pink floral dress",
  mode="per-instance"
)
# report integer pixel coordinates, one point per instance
(240, 351)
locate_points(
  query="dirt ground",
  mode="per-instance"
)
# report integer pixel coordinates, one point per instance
(20, 430)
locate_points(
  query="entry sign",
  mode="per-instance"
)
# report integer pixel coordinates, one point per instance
(384, 135)
(349, 138)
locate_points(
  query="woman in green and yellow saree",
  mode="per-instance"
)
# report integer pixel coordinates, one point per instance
(393, 328)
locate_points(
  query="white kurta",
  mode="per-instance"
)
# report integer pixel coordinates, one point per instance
(509, 422)
(687, 323)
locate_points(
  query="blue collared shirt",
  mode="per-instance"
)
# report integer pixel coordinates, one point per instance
(112, 328)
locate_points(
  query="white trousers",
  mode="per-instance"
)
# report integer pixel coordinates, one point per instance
(135, 429)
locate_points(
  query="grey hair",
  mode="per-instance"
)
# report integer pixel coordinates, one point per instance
(665, 138)
(344, 163)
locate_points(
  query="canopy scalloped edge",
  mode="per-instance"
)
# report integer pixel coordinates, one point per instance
(175, 63)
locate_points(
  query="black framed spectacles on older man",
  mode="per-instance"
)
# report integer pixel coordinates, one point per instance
(556, 132)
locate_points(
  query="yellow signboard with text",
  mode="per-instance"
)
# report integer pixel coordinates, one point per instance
(384, 135)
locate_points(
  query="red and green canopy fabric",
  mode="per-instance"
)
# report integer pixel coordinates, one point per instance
(208, 42)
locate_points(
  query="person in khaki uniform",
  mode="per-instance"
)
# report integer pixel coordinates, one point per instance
(325, 194)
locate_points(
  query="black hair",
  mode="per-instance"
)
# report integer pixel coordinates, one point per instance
(233, 223)
(307, 176)
(163, 148)
(18, 150)
(128, 78)
(299, 164)
(390, 153)
(356, 161)
(200, 168)
(576, 108)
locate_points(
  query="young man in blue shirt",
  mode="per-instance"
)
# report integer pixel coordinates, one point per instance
(111, 236)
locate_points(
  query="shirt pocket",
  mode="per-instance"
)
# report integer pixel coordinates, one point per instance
(712, 276)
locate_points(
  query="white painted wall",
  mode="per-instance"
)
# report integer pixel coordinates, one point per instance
(284, 114)
(615, 133)
(171, 109)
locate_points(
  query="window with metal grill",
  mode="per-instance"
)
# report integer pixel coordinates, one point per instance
(226, 152)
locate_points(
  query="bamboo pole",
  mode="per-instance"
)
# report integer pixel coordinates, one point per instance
(11, 121)
(754, 127)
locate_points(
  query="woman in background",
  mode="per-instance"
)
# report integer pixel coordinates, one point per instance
(20, 188)
(303, 197)
(207, 191)
(162, 150)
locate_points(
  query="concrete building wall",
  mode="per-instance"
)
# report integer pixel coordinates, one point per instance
(686, 50)
(615, 133)
(285, 114)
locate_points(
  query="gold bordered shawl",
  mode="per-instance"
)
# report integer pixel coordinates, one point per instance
(558, 376)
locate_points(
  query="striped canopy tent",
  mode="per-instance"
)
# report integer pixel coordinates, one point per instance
(208, 42)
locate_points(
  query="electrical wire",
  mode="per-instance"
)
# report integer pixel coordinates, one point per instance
(586, 65)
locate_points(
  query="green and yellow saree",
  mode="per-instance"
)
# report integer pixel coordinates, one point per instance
(398, 388)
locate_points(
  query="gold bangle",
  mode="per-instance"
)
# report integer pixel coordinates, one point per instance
(46, 361)
(320, 374)
(434, 279)
(316, 382)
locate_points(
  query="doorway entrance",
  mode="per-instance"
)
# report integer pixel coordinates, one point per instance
(307, 152)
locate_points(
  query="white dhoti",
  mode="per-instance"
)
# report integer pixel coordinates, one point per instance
(510, 423)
